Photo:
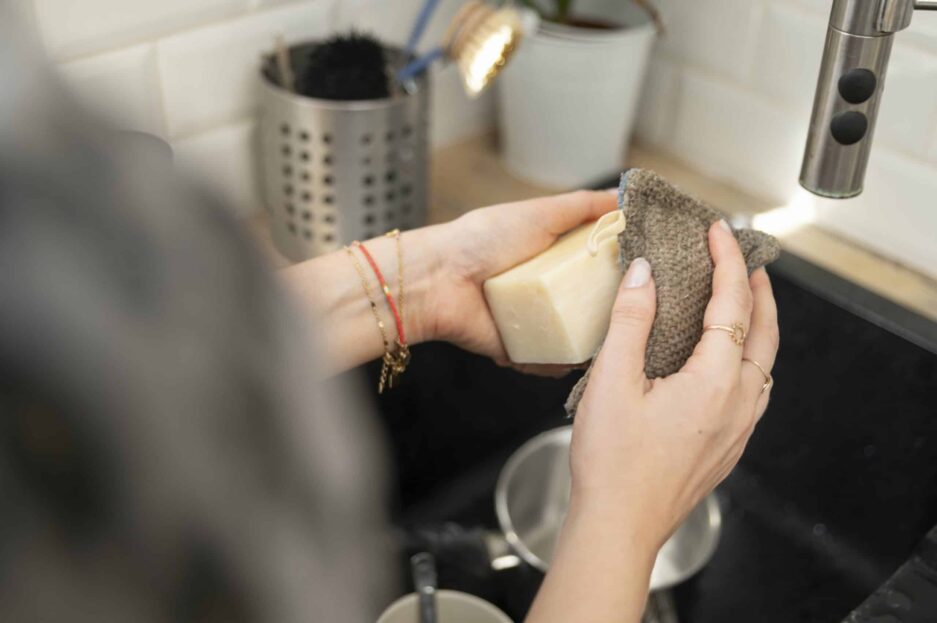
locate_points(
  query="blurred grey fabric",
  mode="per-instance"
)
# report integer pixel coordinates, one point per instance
(168, 451)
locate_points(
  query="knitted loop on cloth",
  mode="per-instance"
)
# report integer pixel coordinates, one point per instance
(670, 230)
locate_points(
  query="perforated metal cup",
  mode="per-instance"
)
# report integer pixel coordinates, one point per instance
(337, 171)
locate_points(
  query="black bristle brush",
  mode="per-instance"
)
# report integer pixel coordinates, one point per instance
(345, 67)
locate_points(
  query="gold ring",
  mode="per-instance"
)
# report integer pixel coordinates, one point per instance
(737, 331)
(769, 380)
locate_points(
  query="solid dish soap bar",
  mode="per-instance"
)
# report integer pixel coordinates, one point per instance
(555, 307)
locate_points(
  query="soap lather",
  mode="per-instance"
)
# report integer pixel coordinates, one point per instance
(555, 307)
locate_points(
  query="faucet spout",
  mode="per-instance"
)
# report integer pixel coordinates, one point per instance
(849, 89)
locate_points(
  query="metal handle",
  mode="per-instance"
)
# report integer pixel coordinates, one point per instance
(423, 566)
(925, 5)
(660, 608)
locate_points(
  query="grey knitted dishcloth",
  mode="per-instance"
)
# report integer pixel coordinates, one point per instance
(670, 230)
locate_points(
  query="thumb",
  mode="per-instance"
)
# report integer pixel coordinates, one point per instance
(630, 323)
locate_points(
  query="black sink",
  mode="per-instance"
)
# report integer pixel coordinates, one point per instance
(838, 484)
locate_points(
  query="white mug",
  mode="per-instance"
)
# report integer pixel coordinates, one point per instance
(451, 607)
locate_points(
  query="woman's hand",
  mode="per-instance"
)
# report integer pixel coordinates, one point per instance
(488, 241)
(658, 447)
(645, 453)
(444, 267)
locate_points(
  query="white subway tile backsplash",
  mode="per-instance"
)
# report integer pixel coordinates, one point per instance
(23, 13)
(718, 35)
(453, 115)
(73, 27)
(729, 90)
(209, 74)
(123, 86)
(196, 84)
(749, 129)
(821, 7)
(738, 137)
(909, 103)
(895, 215)
(392, 21)
(657, 111)
(389, 21)
(923, 31)
(225, 160)
(789, 55)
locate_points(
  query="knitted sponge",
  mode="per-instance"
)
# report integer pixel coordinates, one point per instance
(670, 230)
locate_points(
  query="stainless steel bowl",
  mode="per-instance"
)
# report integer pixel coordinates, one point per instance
(532, 496)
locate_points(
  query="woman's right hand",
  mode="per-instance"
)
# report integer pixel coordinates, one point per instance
(651, 450)
(644, 453)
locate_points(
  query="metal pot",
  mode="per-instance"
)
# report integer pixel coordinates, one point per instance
(532, 497)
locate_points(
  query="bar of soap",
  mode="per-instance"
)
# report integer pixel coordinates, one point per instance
(555, 307)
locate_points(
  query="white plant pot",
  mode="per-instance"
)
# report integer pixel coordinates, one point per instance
(569, 96)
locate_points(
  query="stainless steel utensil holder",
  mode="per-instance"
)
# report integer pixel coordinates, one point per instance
(337, 171)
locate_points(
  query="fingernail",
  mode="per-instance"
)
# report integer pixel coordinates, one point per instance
(612, 191)
(639, 273)
(724, 225)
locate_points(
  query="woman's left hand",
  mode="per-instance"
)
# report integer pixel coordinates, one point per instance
(486, 242)
(444, 267)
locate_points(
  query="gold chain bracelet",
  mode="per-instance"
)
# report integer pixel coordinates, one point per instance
(377, 316)
(393, 363)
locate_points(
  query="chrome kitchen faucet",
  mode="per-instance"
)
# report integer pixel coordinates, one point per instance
(849, 89)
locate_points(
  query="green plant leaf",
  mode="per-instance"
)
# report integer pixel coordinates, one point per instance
(562, 10)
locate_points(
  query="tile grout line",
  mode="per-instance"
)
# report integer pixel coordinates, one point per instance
(785, 108)
(754, 40)
(250, 118)
(746, 85)
(248, 9)
(238, 116)
(160, 99)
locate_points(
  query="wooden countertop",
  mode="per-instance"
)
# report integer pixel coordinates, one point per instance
(470, 174)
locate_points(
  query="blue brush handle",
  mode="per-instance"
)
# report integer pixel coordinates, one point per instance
(419, 65)
(421, 21)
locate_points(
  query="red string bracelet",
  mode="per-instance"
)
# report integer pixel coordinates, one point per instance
(390, 297)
